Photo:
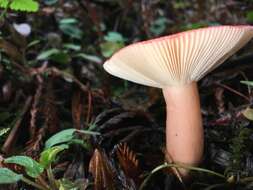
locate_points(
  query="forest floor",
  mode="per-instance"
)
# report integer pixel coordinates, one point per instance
(66, 124)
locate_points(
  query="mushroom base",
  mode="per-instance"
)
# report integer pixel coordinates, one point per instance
(184, 131)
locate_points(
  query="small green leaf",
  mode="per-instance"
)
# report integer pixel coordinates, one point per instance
(46, 54)
(71, 31)
(33, 43)
(68, 21)
(196, 25)
(108, 48)
(48, 156)
(61, 137)
(114, 37)
(65, 184)
(54, 55)
(50, 2)
(7, 176)
(159, 26)
(32, 168)
(248, 113)
(69, 26)
(66, 136)
(61, 57)
(4, 131)
(21, 5)
(4, 3)
(249, 83)
(113, 42)
(249, 16)
(72, 47)
(88, 132)
(88, 57)
(180, 4)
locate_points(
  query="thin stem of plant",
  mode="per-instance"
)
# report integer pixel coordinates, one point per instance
(51, 178)
(166, 165)
(43, 182)
(31, 183)
(246, 179)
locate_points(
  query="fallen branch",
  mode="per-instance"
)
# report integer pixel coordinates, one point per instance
(14, 132)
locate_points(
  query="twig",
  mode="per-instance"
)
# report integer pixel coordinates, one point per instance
(89, 107)
(234, 91)
(137, 128)
(136, 132)
(64, 74)
(13, 134)
(34, 109)
(86, 5)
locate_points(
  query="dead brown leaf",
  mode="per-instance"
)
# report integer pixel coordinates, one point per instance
(102, 171)
(11, 50)
(128, 161)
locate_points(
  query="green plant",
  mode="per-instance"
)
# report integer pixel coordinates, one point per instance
(20, 5)
(69, 26)
(113, 42)
(34, 169)
(238, 146)
(226, 180)
(249, 16)
(167, 165)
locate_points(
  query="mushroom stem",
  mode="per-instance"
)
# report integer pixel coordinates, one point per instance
(184, 131)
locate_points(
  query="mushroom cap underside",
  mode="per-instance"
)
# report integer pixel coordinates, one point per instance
(180, 58)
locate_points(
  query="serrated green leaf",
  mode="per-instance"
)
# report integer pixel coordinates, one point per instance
(60, 137)
(32, 168)
(21, 5)
(7, 176)
(4, 3)
(48, 156)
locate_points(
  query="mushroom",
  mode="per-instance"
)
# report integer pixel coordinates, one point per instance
(175, 63)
